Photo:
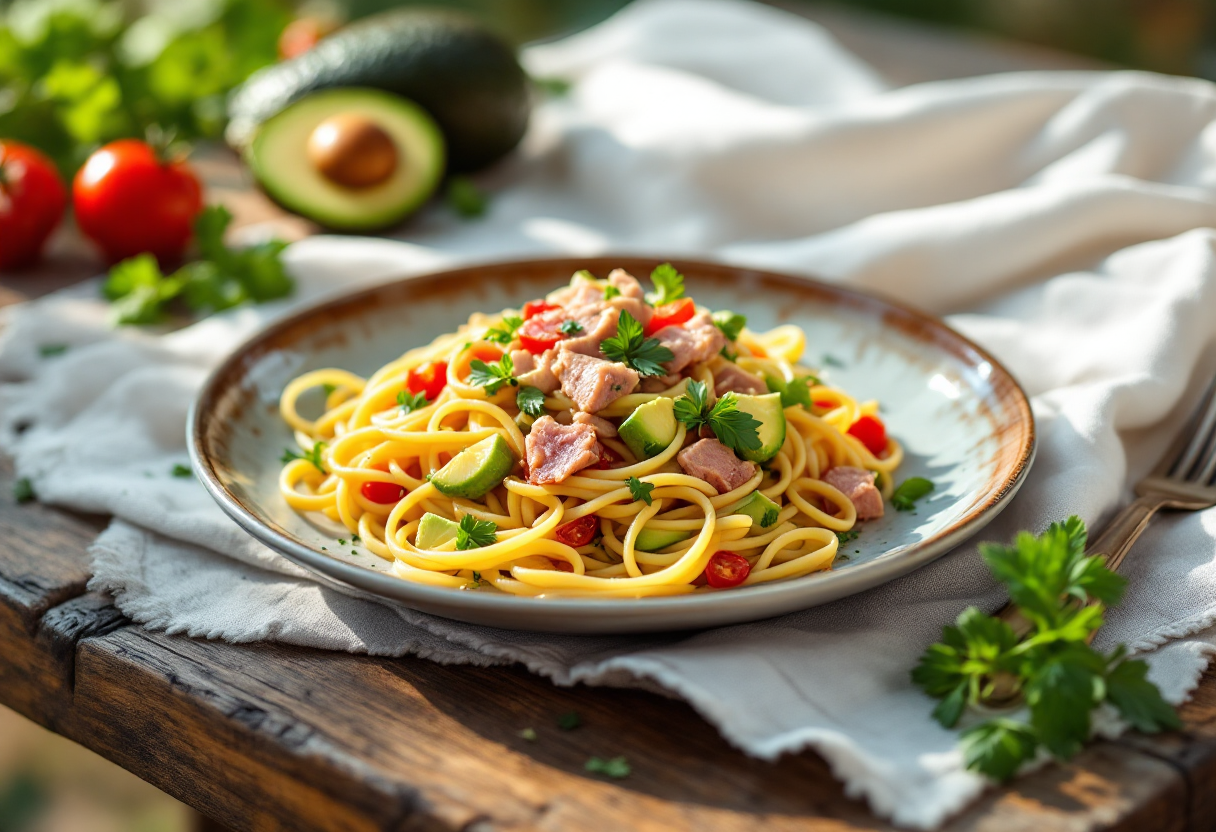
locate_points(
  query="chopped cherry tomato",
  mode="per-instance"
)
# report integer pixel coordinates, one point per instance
(382, 492)
(577, 532)
(824, 404)
(871, 432)
(429, 379)
(671, 314)
(541, 333)
(726, 569)
(607, 458)
(534, 307)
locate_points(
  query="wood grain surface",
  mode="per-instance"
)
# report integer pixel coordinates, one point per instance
(270, 737)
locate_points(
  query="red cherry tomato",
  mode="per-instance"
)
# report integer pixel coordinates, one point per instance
(429, 379)
(534, 307)
(32, 199)
(607, 458)
(128, 201)
(726, 569)
(871, 432)
(824, 404)
(671, 314)
(382, 492)
(540, 333)
(577, 532)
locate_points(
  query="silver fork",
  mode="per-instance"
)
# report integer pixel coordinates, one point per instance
(1185, 479)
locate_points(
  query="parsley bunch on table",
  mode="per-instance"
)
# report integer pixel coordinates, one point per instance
(735, 429)
(223, 277)
(982, 661)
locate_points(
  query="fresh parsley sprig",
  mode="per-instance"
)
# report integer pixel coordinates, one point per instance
(472, 533)
(735, 429)
(981, 661)
(571, 327)
(504, 333)
(631, 348)
(611, 292)
(315, 456)
(409, 402)
(640, 490)
(795, 392)
(492, 376)
(731, 323)
(769, 517)
(530, 400)
(669, 284)
(909, 491)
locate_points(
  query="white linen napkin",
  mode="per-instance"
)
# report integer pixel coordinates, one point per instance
(1062, 220)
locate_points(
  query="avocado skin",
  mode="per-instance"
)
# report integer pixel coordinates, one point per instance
(465, 76)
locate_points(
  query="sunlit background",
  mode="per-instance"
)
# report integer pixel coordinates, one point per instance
(47, 784)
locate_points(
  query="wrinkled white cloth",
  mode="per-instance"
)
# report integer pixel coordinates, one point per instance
(1062, 220)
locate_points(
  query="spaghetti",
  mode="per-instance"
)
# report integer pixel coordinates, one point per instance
(597, 443)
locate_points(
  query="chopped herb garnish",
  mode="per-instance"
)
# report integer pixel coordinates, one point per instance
(617, 768)
(731, 323)
(473, 533)
(23, 490)
(531, 401)
(845, 537)
(909, 491)
(583, 274)
(668, 282)
(180, 470)
(314, 456)
(52, 350)
(465, 198)
(328, 388)
(341, 541)
(769, 518)
(796, 392)
(528, 734)
(504, 333)
(735, 429)
(569, 721)
(640, 490)
(628, 346)
(611, 292)
(728, 355)
(409, 402)
(1062, 594)
(476, 579)
(571, 327)
(492, 376)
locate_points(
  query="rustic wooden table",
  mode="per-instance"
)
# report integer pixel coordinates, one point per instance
(263, 737)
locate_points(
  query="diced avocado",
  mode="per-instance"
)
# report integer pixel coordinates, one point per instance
(759, 508)
(457, 69)
(650, 428)
(476, 470)
(652, 540)
(434, 531)
(351, 159)
(768, 411)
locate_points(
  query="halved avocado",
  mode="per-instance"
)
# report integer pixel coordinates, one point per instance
(282, 157)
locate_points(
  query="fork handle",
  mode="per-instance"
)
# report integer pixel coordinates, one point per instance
(1121, 532)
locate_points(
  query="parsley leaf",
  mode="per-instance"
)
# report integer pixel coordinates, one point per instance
(845, 537)
(735, 429)
(504, 333)
(617, 768)
(52, 350)
(998, 748)
(571, 327)
(492, 376)
(909, 491)
(409, 402)
(640, 490)
(314, 456)
(530, 400)
(629, 347)
(668, 282)
(611, 292)
(23, 490)
(1138, 700)
(769, 517)
(731, 323)
(465, 198)
(796, 392)
(180, 470)
(473, 533)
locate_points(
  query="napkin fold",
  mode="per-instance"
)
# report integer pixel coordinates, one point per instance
(1062, 220)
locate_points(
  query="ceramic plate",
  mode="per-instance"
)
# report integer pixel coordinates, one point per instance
(961, 417)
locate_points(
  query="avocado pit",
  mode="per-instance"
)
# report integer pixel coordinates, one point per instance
(352, 151)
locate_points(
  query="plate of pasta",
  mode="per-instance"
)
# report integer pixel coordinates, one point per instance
(604, 445)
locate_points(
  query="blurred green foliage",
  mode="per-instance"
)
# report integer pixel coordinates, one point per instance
(22, 800)
(75, 74)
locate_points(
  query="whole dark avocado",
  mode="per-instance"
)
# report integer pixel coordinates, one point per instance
(465, 76)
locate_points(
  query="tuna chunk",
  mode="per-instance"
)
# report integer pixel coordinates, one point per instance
(522, 362)
(730, 378)
(631, 298)
(858, 485)
(596, 328)
(626, 284)
(556, 451)
(593, 383)
(717, 464)
(603, 428)
(578, 295)
(696, 341)
(541, 376)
